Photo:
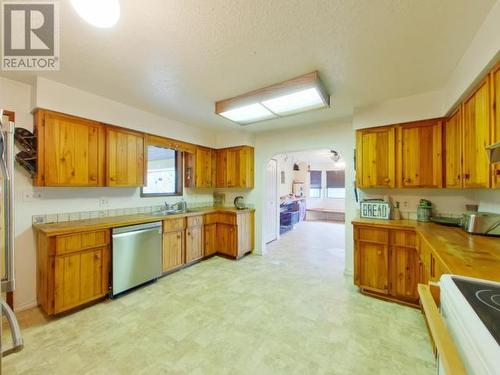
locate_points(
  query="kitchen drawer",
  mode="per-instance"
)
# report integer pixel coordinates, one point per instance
(371, 234)
(210, 218)
(227, 218)
(173, 225)
(403, 238)
(194, 221)
(79, 241)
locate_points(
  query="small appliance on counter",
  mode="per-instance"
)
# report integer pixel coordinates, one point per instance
(424, 210)
(239, 203)
(485, 223)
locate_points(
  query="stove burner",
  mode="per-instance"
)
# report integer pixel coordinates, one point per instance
(485, 297)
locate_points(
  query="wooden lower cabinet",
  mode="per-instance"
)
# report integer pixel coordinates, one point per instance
(173, 250)
(194, 243)
(386, 263)
(210, 234)
(235, 240)
(72, 270)
(406, 275)
(80, 278)
(372, 266)
(226, 238)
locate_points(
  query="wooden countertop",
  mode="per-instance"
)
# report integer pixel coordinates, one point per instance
(65, 227)
(461, 252)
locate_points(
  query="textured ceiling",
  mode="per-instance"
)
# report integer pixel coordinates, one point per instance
(176, 58)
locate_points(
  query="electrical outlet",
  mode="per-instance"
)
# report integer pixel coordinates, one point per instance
(38, 219)
(30, 196)
(405, 204)
(103, 203)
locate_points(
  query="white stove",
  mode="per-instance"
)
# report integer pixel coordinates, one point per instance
(471, 310)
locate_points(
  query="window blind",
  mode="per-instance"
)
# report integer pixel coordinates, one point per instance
(315, 179)
(335, 179)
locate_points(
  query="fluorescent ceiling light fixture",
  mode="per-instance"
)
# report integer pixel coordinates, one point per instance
(296, 95)
(299, 101)
(248, 113)
(99, 13)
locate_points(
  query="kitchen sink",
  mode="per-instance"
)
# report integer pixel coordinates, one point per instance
(166, 213)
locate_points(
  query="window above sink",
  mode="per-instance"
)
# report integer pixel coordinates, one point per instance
(164, 172)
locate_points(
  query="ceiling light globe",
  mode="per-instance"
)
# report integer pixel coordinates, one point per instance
(99, 13)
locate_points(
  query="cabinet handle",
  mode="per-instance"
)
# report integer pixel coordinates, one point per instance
(379, 252)
(467, 176)
(92, 178)
(497, 172)
(178, 236)
(458, 177)
(407, 180)
(112, 178)
(387, 179)
(189, 233)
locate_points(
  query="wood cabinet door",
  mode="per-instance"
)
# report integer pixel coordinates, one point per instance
(373, 266)
(210, 239)
(226, 239)
(476, 136)
(203, 167)
(125, 158)
(375, 157)
(245, 233)
(221, 174)
(173, 250)
(406, 273)
(245, 173)
(419, 157)
(72, 150)
(495, 124)
(452, 160)
(194, 243)
(232, 167)
(80, 277)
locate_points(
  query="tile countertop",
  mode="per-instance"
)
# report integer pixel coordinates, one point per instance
(462, 253)
(66, 227)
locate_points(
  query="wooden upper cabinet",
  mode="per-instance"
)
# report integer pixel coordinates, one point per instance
(476, 136)
(375, 157)
(245, 167)
(495, 123)
(199, 168)
(70, 150)
(236, 167)
(419, 159)
(125, 158)
(221, 168)
(452, 160)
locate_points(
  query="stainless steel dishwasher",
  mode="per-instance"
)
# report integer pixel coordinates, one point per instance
(137, 256)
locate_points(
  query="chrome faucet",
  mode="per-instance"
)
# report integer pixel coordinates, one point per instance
(177, 206)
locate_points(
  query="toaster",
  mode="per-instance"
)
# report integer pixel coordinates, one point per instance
(485, 223)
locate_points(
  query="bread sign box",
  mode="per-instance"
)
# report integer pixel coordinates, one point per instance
(375, 209)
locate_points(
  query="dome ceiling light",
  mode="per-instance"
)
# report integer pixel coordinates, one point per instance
(296, 95)
(99, 13)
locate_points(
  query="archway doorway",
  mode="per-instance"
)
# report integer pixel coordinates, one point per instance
(304, 189)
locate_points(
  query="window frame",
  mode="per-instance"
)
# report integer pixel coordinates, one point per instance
(178, 172)
(320, 188)
(333, 187)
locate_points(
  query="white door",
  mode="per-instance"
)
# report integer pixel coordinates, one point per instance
(271, 209)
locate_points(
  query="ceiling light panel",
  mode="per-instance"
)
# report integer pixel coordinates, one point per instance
(248, 114)
(299, 101)
(296, 95)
